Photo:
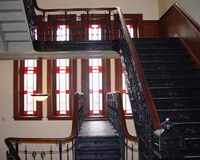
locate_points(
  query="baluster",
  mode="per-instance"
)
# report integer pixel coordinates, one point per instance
(42, 154)
(25, 152)
(51, 153)
(34, 154)
(132, 151)
(67, 151)
(126, 149)
(17, 147)
(73, 150)
(60, 150)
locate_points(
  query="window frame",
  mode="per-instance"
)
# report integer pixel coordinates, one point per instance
(18, 95)
(106, 87)
(51, 87)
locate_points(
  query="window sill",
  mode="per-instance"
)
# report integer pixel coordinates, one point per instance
(27, 118)
(59, 117)
(128, 116)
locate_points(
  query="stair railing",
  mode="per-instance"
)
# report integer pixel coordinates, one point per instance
(138, 87)
(116, 116)
(145, 115)
(48, 148)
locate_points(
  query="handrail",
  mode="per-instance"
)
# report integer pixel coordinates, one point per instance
(134, 57)
(122, 118)
(70, 9)
(70, 138)
(138, 67)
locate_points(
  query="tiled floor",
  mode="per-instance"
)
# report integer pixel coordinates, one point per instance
(97, 128)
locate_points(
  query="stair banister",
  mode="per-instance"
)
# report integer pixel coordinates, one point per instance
(117, 118)
(139, 70)
(14, 142)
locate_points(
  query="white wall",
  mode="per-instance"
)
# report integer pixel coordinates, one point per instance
(9, 127)
(190, 6)
(149, 8)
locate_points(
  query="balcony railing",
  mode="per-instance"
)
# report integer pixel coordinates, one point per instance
(48, 148)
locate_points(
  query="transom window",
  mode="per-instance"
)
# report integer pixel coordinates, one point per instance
(62, 33)
(95, 86)
(62, 86)
(94, 32)
(131, 30)
(125, 96)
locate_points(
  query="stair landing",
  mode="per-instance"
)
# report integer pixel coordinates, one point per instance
(97, 128)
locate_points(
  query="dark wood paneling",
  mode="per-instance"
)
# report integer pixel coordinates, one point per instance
(149, 28)
(118, 75)
(85, 83)
(106, 83)
(175, 23)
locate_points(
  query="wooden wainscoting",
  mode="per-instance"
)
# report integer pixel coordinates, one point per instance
(149, 28)
(176, 23)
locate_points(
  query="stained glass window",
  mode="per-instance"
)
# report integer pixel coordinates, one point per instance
(94, 32)
(131, 30)
(62, 86)
(30, 82)
(95, 85)
(62, 33)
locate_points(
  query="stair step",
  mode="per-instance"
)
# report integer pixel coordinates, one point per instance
(17, 26)
(170, 77)
(177, 102)
(98, 157)
(20, 46)
(193, 83)
(175, 92)
(165, 40)
(12, 16)
(192, 146)
(166, 57)
(160, 51)
(177, 115)
(10, 5)
(17, 36)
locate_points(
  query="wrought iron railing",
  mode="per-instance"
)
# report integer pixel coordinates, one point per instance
(129, 143)
(48, 148)
(144, 110)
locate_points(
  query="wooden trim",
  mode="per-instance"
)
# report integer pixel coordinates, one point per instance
(85, 84)
(177, 23)
(106, 82)
(118, 73)
(149, 28)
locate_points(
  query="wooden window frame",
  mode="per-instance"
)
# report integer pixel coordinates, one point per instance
(18, 83)
(51, 87)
